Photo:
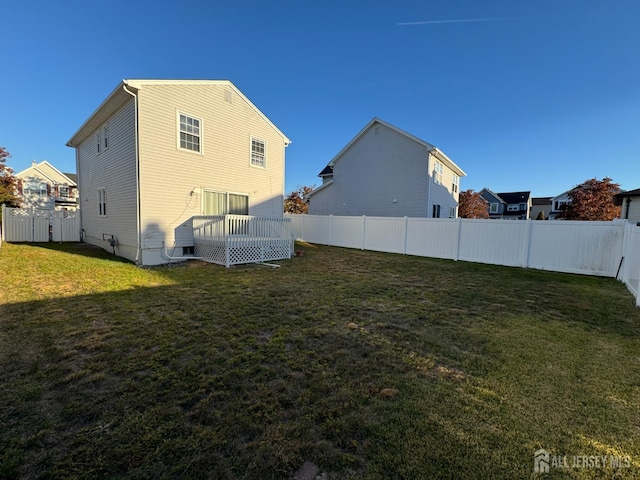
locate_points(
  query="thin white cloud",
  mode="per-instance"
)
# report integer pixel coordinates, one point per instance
(460, 20)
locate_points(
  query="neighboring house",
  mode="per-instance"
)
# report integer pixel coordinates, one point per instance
(538, 205)
(157, 152)
(45, 187)
(385, 171)
(508, 205)
(558, 204)
(630, 202)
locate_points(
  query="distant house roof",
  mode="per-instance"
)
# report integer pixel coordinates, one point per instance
(541, 200)
(328, 170)
(71, 176)
(514, 197)
(618, 197)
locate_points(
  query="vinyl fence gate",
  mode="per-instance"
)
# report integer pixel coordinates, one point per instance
(33, 225)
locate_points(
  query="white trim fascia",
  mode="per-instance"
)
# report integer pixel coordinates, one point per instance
(139, 83)
(316, 190)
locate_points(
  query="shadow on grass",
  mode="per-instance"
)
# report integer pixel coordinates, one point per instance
(368, 365)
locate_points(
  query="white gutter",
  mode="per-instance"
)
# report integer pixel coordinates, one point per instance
(138, 219)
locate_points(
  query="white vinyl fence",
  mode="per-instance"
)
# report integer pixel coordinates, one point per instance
(590, 248)
(33, 225)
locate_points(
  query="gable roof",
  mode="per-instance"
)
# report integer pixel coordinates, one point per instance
(328, 170)
(128, 88)
(630, 193)
(491, 193)
(434, 150)
(45, 170)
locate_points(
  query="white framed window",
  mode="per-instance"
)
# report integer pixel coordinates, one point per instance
(452, 212)
(223, 203)
(513, 208)
(105, 136)
(35, 188)
(258, 150)
(63, 191)
(455, 184)
(189, 133)
(435, 211)
(98, 142)
(438, 172)
(102, 202)
(493, 208)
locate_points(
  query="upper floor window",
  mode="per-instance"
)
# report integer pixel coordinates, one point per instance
(455, 184)
(63, 191)
(439, 172)
(105, 136)
(452, 212)
(98, 142)
(190, 130)
(257, 153)
(35, 188)
(493, 208)
(513, 208)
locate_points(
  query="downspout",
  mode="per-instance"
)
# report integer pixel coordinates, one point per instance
(79, 193)
(429, 178)
(626, 213)
(138, 215)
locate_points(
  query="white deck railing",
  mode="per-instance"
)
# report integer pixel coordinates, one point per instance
(233, 239)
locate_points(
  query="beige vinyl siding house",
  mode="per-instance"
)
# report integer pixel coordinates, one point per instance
(174, 149)
(42, 186)
(385, 171)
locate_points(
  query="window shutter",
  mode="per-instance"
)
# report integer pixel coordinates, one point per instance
(20, 186)
(56, 192)
(48, 190)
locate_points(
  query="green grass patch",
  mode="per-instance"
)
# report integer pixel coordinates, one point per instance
(367, 365)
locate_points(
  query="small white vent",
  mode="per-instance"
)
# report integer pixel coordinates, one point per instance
(228, 96)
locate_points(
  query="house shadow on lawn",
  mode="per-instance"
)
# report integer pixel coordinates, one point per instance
(156, 382)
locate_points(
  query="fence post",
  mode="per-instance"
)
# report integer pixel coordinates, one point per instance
(330, 228)
(364, 231)
(457, 254)
(527, 244)
(2, 226)
(406, 235)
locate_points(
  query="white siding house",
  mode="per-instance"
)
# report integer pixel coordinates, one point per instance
(385, 171)
(157, 152)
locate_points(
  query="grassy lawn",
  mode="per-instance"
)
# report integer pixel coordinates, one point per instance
(367, 365)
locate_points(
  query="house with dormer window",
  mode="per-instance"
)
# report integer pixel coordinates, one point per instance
(508, 205)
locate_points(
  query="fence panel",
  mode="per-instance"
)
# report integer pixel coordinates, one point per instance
(591, 248)
(65, 226)
(385, 234)
(630, 273)
(499, 242)
(348, 231)
(432, 237)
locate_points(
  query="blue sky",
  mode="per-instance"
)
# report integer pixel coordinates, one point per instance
(535, 96)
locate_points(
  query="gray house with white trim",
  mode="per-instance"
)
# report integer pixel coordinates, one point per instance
(385, 171)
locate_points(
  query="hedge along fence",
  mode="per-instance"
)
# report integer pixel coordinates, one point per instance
(609, 249)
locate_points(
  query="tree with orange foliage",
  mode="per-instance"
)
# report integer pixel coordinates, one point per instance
(592, 200)
(472, 205)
